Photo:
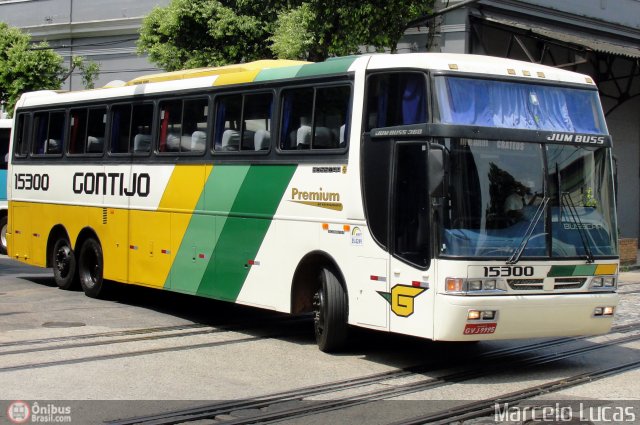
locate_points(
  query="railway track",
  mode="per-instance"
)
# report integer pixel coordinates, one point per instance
(147, 334)
(487, 407)
(485, 365)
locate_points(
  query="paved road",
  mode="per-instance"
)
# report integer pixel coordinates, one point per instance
(173, 350)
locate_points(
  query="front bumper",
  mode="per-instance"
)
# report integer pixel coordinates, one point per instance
(523, 316)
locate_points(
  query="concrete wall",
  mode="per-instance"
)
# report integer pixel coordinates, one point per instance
(31, 13)
(623, 12)
(624, 126)
(104, 32)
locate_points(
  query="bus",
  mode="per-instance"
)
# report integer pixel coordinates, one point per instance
(5, 133)
(449, 197)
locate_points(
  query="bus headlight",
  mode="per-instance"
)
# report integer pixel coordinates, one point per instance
(603, 282)
(460, 286)
(489, 285)
(474, 285)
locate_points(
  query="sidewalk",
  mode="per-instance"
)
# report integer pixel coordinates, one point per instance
(632, 267)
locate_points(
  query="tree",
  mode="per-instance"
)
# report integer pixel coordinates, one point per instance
(318, 29)
(196, 33)
(27, 67)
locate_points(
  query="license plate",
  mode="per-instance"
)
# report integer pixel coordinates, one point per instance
(480, 328)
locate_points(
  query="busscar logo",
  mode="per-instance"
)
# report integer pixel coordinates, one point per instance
(402, 299)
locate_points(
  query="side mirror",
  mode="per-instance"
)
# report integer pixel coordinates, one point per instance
(437, 164)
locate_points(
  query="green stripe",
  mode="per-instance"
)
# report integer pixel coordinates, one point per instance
(573, 270)
(205, 226)
(278, 73)
(243, 232)
(331, 66)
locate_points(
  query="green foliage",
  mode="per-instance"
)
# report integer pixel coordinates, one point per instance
(294, 37)
(24, 67)
(89, 71)
(342, 27)
(196, 33)
(28, 67)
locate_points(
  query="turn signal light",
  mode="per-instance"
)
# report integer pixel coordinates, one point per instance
(454, 284)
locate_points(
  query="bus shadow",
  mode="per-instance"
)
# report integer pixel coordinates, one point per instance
(400, 351)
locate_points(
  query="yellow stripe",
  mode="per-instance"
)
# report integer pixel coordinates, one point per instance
(237, 78)
(138, 246)
(185, 187)
(606, 269)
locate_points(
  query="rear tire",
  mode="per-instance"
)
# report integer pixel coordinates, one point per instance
(90, 268)
(330, 313)
(3, 235)
(63, 261)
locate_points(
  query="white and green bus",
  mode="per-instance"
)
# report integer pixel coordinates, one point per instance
(450, 197)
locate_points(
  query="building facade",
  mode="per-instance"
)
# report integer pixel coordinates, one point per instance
(105, 32)
(600, 38)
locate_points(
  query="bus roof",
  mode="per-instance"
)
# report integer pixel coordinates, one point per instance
(268, 70)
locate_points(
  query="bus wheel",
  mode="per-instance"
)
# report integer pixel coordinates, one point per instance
(330, 313)
(64, 264)
(90, 268)
(3, 235)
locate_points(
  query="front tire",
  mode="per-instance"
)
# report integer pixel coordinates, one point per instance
(63, 260)
(3, 235)
(90, 268)
(330, 313)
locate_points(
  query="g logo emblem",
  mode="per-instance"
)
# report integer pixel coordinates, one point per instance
(402, 298)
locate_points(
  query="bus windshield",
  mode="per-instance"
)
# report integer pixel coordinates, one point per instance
(508, 104)
(497, 186)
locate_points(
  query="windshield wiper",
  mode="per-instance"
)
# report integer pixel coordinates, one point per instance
(573, 213)
(515, 257)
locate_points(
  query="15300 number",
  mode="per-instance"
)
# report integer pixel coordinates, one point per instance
(26, 181)
(508, 271)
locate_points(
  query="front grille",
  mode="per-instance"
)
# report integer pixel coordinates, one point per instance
(525, 284)
(569, 282)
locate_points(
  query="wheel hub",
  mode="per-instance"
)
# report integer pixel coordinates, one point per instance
(63, 259)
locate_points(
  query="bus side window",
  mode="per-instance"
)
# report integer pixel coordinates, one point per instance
(120, 128)
(48, 133)
(194, 125)
(315, 118)
(96, 129)
(170, 126)
(183, 125)
(228, 116)
(331, 112)
(77, 131)
(297, 111)
(256, 125)
(396, 99)
(141, 125)
(21, 147)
